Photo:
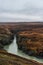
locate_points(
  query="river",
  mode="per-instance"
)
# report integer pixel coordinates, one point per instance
(13, 48)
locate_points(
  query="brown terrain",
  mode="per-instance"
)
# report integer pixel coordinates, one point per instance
(20, 26)
(10, 59)
(31, 42)
(32, 32)
(29, 39)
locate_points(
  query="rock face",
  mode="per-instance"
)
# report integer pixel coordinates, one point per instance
(6, 36)
(10, 59)
(31, 42)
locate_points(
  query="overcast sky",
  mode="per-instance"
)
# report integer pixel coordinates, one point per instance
(21, 10)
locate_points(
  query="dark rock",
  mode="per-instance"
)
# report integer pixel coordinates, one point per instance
(32, 41)
(6, 37)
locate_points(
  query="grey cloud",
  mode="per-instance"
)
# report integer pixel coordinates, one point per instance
(25, 7)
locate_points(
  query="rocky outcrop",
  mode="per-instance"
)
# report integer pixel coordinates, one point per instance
(31, 42)
(6, 36)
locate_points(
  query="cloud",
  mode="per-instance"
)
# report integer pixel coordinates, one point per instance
(21, 10)
(20, 5)
(18, 17)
